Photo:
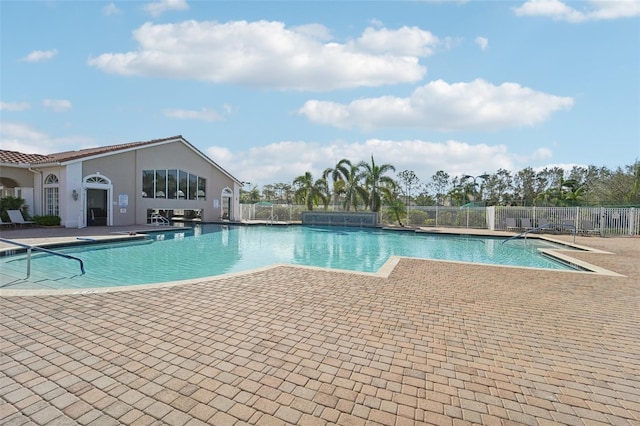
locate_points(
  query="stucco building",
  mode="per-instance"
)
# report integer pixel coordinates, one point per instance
(122, 184)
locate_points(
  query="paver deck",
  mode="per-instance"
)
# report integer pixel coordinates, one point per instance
(434, 343)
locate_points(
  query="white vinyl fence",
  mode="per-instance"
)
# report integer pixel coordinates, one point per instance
(607, 221)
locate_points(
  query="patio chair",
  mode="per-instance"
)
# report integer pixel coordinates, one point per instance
(511, 224)
(16, 217)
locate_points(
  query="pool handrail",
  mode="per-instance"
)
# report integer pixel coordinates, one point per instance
(29, 248)
(546, 225)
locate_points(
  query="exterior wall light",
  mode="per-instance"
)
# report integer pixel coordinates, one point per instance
(74, 195)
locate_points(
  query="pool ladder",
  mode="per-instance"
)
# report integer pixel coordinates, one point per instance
(157, 220)
(30, 248)
(272, 218)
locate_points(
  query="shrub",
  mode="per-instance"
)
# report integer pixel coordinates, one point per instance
(12, 203)
(418, 218)
(47, 220)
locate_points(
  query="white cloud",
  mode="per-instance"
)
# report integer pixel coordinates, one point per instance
(284, 161)
(24, 138)
(409, 41)
(540, 154)
(594, 10)
(111, 9)
(157, 8)
(477, 105)
(40, 55)
(57, 105)
(314, 31)
(20, 131)
(269, 55)
(482, 42)
(220, 155)
(14, 106)
(201, 115)
(566, 167)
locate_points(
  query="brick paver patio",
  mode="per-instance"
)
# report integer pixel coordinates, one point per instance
(434, 343)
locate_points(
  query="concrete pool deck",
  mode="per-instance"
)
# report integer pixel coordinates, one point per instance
(434, 343)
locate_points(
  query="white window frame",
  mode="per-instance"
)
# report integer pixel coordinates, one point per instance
(51, 191)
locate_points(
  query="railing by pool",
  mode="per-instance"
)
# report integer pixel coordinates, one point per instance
(539, 228)
(30, 248)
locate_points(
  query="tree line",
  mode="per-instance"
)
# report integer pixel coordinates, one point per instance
(369, 186)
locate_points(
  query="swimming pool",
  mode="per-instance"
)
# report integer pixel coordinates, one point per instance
(209, 250)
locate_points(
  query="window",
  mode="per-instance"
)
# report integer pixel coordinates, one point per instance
(193, 186)
(97, 180)
(173, 184)
(148, 184)
(161, 184)
(202, 189)
(183, 190)
(51, 196)
(51, 180)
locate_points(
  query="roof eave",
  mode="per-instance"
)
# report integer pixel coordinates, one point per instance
(119, 151)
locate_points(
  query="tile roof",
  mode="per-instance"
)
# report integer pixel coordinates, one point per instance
(14, 157)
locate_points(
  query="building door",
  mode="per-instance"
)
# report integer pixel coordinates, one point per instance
(97, 193)
(227, 195)
(97, 211)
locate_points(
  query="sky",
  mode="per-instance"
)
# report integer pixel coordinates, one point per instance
(272, 89)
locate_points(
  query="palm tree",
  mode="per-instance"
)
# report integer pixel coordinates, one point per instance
(353, 191)
(568, 193)
(376, 183)
(310, 192)
(458, 195)
(251, 196)
(398, 209)
(574, 194)
(338, 175)
(544, 198)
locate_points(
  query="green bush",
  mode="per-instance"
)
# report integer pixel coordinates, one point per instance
(12, 203)
(418, 218)
(47, 220)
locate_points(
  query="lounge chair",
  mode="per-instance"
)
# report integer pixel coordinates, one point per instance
(588, 228)
(568, 225)
(3, 223)
(543, 225)
(525, 223)
(16, 217)
(511, 224)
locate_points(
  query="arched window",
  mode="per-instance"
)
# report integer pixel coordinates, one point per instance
(51, 195)
(94, 179)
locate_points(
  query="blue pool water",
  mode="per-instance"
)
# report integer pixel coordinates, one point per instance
(209, 250)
